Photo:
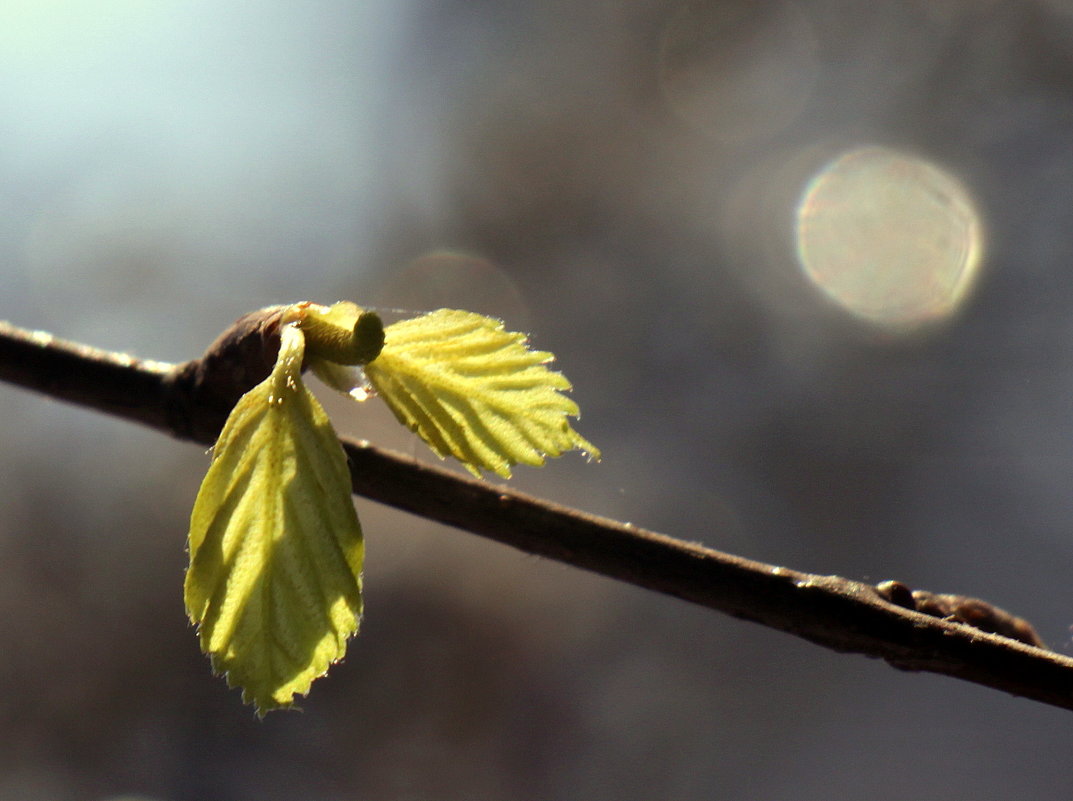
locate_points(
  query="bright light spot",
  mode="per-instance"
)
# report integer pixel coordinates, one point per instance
(889, 237)
(738, 69)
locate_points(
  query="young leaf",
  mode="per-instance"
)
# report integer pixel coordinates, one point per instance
(340, 338)
(342, 333)
(475, 392)
(276, 550)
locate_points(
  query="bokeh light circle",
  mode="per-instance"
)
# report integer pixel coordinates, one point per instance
(889, 237)
(738, 70)
(458, 280)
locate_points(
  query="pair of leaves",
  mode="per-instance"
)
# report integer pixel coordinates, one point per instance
(275, 546)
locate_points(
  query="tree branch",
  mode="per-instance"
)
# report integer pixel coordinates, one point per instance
(191, 400)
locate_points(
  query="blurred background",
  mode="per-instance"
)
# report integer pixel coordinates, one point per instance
(807, 264)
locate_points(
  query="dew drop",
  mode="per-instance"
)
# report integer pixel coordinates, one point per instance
(362, 393)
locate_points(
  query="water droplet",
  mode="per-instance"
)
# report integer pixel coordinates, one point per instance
(362, 393)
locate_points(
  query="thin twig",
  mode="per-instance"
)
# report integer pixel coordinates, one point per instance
(832, 611)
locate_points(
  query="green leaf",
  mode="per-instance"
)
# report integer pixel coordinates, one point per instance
(475, 392)
(276, 550)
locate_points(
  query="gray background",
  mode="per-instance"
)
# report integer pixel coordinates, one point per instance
(167, 167)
